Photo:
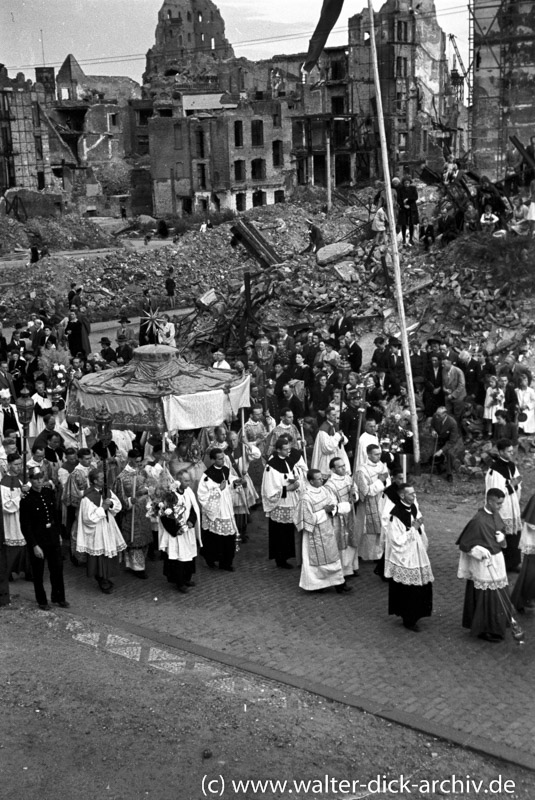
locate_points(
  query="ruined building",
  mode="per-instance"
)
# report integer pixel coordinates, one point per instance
(325, 129)
(89, 119)
(503, 76)
(208, 131)
(420, 108)
(24, 144)
(190, 42)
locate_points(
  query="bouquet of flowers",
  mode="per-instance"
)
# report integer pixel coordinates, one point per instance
(55, 364)
(395, 426)
(166, 504)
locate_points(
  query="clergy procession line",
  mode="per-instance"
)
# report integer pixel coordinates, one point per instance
(131, 497)
(197, 498)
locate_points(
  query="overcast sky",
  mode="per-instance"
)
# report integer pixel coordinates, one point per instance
(95, 31)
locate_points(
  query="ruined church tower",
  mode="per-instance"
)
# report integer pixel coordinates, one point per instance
(190, 35)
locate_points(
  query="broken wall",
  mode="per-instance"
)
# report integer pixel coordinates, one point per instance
(503, 81)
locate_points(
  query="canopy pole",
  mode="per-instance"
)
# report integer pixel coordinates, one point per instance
(393, 240)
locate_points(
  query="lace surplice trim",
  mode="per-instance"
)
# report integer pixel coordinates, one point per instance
(416, 576)
(282, 514)
(503, 583)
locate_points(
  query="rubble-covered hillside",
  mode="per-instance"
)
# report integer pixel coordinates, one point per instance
(465, 287)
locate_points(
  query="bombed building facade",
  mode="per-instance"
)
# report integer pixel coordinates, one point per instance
(503, 76)
(208, 131)
(24, 144)
(314, 132)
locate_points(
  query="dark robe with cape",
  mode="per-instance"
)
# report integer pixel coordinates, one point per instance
(484, 610)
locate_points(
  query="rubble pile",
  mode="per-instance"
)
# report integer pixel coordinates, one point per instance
(446, 289)
(71, 232)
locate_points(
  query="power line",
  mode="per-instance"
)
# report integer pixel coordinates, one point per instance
(244, 43)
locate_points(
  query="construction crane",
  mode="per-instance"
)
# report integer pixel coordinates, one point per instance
(465, 73)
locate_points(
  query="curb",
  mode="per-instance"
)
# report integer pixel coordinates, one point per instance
(478, 744)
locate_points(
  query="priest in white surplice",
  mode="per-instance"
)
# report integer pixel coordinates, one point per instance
(219, 528)
(329, 442)
(97, 532)
(368, 437)
(371, 478)
(313, 517)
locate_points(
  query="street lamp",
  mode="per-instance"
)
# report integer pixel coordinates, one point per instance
(25, 406)
(263, 351)
(103, 419)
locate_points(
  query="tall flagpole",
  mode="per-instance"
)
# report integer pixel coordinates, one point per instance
(393, 240)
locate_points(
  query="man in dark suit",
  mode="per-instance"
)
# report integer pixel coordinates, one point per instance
(123, 352)
(472, 376)
(418, 364)
(379, 355)
(341, 325)
(395, 369)
(43, 338)
(449, 443)
(292, 402)
(433, 394)
(354, 352)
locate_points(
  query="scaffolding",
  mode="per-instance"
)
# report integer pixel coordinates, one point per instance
(499, 31)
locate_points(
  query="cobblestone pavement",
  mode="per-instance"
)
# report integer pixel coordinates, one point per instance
(441, 680)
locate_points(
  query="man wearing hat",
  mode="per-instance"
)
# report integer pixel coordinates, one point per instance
(41, 529)
(379, 356)
(106, 351)
(433, 347)
(123, 351)
(125, 330)
(395, 367)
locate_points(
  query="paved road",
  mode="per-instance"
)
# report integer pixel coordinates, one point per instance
(345, 646)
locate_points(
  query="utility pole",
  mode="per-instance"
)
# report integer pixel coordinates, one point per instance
(393, 240)
(43, 47)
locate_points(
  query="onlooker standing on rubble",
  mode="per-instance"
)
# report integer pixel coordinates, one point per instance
(379, 226)
(170, 286)
(315, 239)
(408, 210)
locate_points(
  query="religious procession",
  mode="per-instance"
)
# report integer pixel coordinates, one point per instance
(156, 463)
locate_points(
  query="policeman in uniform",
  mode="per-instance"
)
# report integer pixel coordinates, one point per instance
(41, 529)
